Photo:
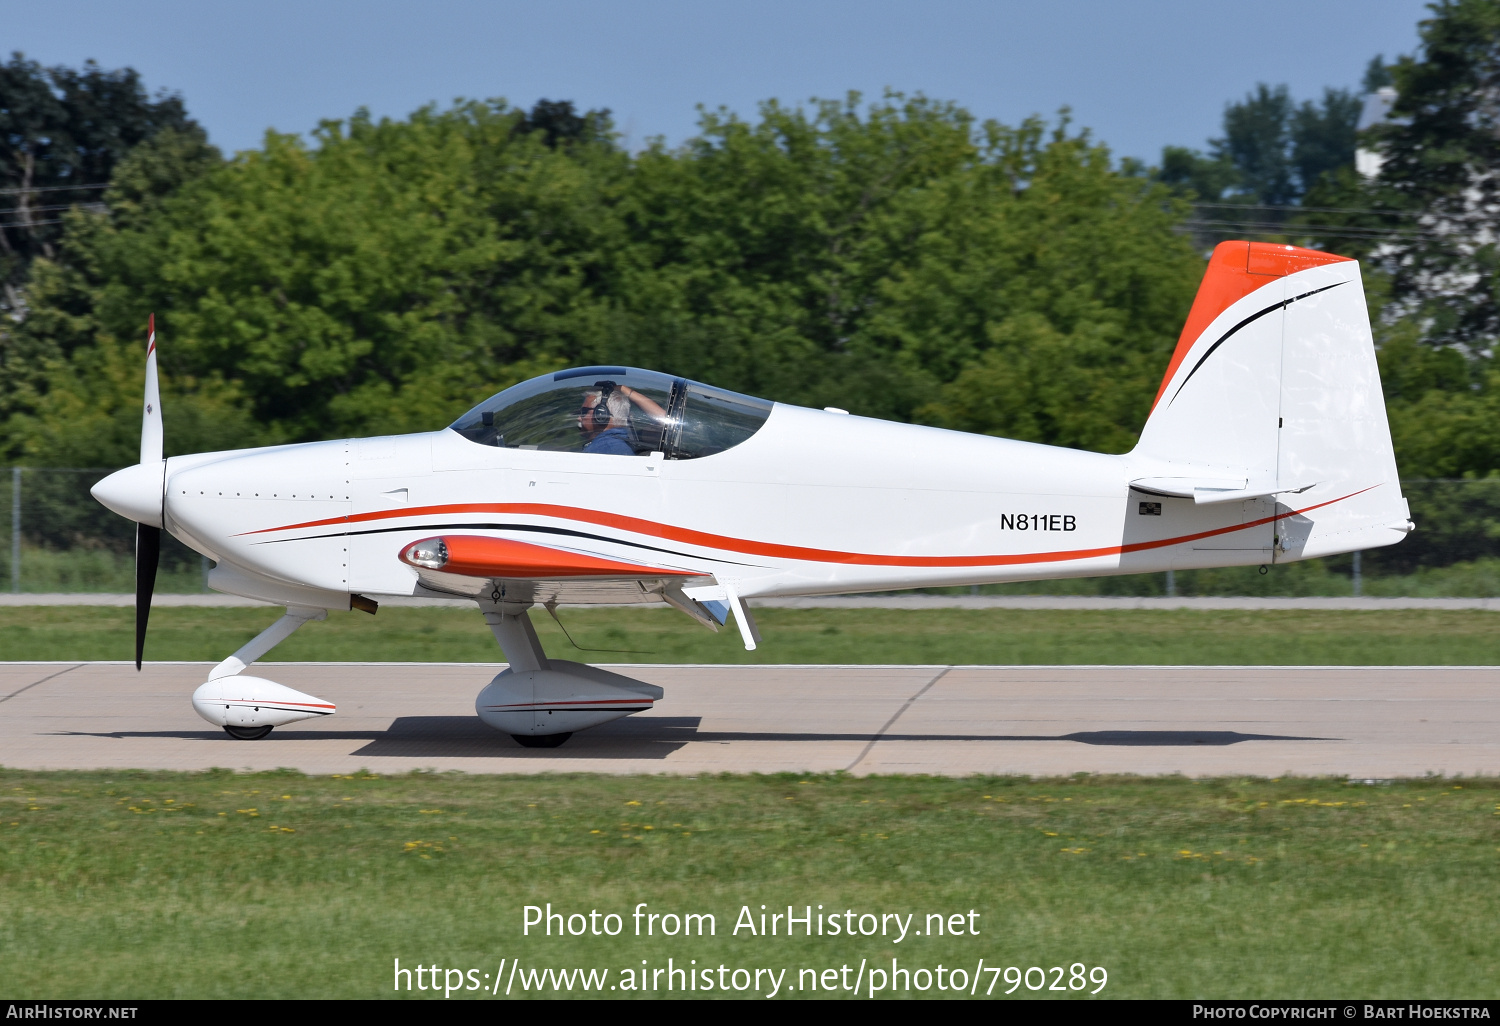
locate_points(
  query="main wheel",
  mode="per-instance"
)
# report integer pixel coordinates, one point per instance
(537, 740)
(247, 733)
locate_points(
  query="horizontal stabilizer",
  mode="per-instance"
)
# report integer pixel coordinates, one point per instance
(1187, 487)
(1207, 490)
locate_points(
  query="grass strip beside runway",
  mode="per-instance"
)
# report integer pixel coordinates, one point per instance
(136, 885)
(659, 635)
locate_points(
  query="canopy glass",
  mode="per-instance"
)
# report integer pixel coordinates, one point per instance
(620, 411)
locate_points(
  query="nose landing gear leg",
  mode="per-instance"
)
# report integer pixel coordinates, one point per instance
(249, 708)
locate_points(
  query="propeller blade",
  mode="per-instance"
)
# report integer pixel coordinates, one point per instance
(151, 443)
(147, 556)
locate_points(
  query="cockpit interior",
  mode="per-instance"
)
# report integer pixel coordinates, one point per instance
(622, 411)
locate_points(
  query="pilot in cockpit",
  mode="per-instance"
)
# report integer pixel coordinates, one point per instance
(605, 418)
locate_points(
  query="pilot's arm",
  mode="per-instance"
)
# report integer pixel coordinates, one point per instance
(646, 404)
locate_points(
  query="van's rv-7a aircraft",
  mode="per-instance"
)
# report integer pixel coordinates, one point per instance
(1267, 443)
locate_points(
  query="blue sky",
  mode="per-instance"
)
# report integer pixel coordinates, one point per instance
(1140, 73)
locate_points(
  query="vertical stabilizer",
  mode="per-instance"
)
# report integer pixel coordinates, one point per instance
(1273, 390)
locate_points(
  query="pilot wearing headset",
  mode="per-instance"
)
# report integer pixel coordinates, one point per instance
(604, 417)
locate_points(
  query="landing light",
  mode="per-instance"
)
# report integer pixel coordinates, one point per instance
(431, 553)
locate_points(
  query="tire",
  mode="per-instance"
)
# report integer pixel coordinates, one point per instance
(540, 740)
(247, 733)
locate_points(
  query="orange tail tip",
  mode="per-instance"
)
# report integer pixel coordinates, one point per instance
(1235, 270)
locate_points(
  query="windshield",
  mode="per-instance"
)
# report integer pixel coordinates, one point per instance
(615, 411)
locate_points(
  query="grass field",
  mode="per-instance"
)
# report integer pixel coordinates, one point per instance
(651, 635)
(276, 885)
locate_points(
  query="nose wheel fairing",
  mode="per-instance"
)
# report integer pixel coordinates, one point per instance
(252, 702)
(247, 707)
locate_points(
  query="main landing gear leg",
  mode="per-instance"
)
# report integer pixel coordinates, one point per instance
(249, 708)
(510, 623)
(539, 701)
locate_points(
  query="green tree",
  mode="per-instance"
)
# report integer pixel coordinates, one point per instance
(865, 258)
(394, 270)
(62, 131)
(1441, 152)
(390, 274)
(1322, 138)
(1273, 150)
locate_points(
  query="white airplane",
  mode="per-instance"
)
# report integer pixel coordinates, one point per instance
(1267, 443)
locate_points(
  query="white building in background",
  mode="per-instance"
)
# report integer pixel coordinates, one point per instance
(1377, 108)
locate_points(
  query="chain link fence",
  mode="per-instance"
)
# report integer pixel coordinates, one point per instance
(62, 540)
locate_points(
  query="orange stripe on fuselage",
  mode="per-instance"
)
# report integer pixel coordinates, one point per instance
(775, 551)
(479, 556)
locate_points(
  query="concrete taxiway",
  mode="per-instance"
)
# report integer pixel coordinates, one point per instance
(1364, 722)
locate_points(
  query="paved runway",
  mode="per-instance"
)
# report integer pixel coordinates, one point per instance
(1036, 720)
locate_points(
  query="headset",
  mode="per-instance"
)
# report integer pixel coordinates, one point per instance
(601, 414)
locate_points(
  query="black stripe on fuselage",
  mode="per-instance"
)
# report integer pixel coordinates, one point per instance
(1283, 304)
(532, 528)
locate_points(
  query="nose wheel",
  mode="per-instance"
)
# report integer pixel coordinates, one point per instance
(247, 733)
(536, 740)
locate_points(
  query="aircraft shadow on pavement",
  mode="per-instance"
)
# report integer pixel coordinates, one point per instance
(653, 737)
(1125, 738)
(465, 736)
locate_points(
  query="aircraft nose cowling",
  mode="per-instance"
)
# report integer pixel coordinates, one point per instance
(279, 512)
(135, 492)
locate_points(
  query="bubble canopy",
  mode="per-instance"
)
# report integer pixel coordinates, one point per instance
(619, 411)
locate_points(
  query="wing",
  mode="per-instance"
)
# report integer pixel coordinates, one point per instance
(475, 566)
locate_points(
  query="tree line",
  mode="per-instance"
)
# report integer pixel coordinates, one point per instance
(897, 258)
